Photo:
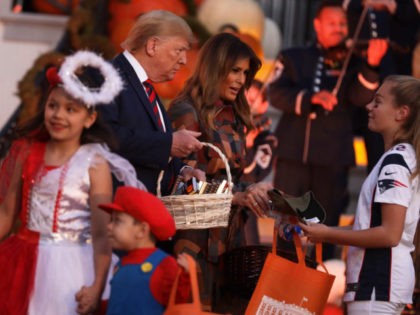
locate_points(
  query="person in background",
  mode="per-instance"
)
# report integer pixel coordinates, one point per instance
(398, 22)
(55, 175)
(154, 50)
(143, 278)
(260, 141)
(380, 273)
(256, 97)
(315, 135)
(213, 102)
(261, 146)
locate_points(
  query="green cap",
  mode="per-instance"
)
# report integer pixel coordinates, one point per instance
(306, 208)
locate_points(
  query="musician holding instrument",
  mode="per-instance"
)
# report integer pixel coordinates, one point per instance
(398, 21)
(317, 93)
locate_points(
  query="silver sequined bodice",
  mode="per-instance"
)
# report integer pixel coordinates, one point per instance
(73, 214)
(73, 211)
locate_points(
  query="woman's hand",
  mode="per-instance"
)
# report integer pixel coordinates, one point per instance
(255, 198)
(189, 172)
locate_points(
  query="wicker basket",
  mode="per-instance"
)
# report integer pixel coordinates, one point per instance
(200, 211)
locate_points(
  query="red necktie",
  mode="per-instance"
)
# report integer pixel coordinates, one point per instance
(151, 93)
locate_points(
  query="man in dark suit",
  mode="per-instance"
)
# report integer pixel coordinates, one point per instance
(155, 49)
(315, 134)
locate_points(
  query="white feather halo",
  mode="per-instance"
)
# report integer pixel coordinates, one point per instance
(112, 85)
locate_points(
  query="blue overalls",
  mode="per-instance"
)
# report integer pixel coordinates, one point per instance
(130, 288)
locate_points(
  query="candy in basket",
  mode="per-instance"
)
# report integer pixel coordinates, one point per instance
(208, 209)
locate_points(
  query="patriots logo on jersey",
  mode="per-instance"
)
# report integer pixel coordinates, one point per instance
(400, 147)
(386, 184)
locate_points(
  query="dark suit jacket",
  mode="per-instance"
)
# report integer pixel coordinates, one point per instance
(140, 140)
(401, 28)
(331, 135)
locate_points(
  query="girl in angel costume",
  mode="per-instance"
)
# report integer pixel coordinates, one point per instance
(55, 175)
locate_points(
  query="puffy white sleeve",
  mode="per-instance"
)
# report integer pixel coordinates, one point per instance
(120, 167)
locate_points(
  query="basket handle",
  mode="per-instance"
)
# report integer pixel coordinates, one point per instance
(222, 156)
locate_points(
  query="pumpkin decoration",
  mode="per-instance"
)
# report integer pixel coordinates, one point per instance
(133, 8)
(123, 14)
(247, 15)
(119, 32)
(59, 7)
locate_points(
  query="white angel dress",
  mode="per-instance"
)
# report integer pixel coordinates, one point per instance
(51, 256)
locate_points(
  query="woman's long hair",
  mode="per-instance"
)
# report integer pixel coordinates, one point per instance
(406, 91)
(216, 59)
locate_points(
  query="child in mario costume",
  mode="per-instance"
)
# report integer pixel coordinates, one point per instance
(143, 278)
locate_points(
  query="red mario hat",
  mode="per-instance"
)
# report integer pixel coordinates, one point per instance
(144, 207)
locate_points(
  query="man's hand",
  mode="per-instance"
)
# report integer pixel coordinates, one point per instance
(325, 99)
(184, 142)
(376, 51)
(182, 260)
(87, 300)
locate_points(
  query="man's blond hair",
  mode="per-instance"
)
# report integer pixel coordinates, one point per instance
(158, 23)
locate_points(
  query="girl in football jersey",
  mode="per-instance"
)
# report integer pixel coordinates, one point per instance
(380, 273)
